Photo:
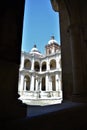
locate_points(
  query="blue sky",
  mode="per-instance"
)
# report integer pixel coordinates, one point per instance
(40, 23)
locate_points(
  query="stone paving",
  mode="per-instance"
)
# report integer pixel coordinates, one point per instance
(33, 111)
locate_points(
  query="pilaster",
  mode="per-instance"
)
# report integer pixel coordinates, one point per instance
(77, 62)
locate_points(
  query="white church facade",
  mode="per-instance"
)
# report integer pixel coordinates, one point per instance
(40, 80)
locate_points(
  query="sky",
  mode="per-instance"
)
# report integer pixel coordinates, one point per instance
(39, 24)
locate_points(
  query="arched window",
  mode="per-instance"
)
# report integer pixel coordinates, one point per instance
(53, 64)
(36, 66)
(49, 51)
(44, 66)
(27, 64)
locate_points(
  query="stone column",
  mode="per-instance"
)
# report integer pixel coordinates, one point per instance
(40, 83)
(48, 65)
(57, 82)
(21, 82)
(25, 84)
(32, 83)
(22, 62)
(57, 62)
(36, 87)
(60, 85)
(47, 83)
(32, 66)
(50, 83)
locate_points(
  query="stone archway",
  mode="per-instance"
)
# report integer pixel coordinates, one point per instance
(66, 55)
(27, 82)
(43, 84)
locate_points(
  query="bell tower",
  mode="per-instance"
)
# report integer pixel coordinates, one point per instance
(52, 46)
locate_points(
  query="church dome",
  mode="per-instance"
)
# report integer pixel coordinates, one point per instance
(52, 40)
(34, 50)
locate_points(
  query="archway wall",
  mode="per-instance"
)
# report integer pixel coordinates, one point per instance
(66, 59)
(78, 33)
(73, 27)
(11, 21)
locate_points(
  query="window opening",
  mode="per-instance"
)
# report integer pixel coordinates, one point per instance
(27, 83)
(44, 66)
(40, 71)
(27, 64)
(36, 66)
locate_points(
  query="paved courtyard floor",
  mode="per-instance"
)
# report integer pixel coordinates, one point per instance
(33, 111)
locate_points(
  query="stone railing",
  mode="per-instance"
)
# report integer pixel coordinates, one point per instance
(41, 94)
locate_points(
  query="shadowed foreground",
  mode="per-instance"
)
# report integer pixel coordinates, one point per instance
(68, 115)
